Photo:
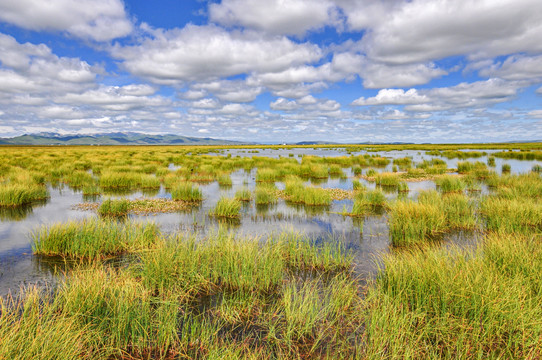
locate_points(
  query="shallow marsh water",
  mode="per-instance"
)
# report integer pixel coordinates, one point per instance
(366, 237)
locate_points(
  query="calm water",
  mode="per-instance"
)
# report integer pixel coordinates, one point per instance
(366, 237)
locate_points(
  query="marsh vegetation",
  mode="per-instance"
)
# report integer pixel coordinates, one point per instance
(182, 252)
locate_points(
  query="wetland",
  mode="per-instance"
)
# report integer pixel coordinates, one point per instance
(271, 252)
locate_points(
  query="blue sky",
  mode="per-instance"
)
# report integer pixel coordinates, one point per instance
(274, 70)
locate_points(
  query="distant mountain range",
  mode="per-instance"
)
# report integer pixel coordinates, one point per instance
(112, 139)
(129, 138)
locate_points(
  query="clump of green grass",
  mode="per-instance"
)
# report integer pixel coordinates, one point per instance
(128, 180)
(537, 168)
(464, 167)
(187, 192)
(265, 195)
(506, 168)
(225, 180)
(404, 162)
(527, 185)
(313, 196)
(300, 252)
(413, 223)
(512, 215)
(491, 161)
(371, 172)
(335, 170)
(387, 179)
(368, 202)
(21, 194)
(378, 161)
(227, 208)
(519, 155)
(32, 328)
(93, 238)
(356, 170)
(459, 211)
(91, 189)
(375, 198)
(461, 304)
(307, 311)
(149, 182)
(121, 309)
(119, 179)
(243, 194)
(358, 186)
(449, 183)
(402, 187)
(318, 171)
(293, 189)
(413, 173)
(114, 208)
(266, 175)
(78, 179)
(456, 207)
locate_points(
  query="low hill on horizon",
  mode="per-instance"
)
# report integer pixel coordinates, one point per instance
(112, 139)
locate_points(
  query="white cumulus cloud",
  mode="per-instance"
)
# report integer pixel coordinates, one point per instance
(275, 16)
(198, 53)
(100, 20)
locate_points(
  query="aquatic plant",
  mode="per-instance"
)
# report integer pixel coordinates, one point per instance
(473, 303)
(449, 183)
(93, 238)
(266, 175)
(358, 186)
(265, 195)
(114, 208)
(316, 196)
(20, 194)
(225, 180)
(226, 207)
(186, 191)
(414, 223)
(243, 194)
(491, 161)
(387, 179)
(513, 215)
(356, 170)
